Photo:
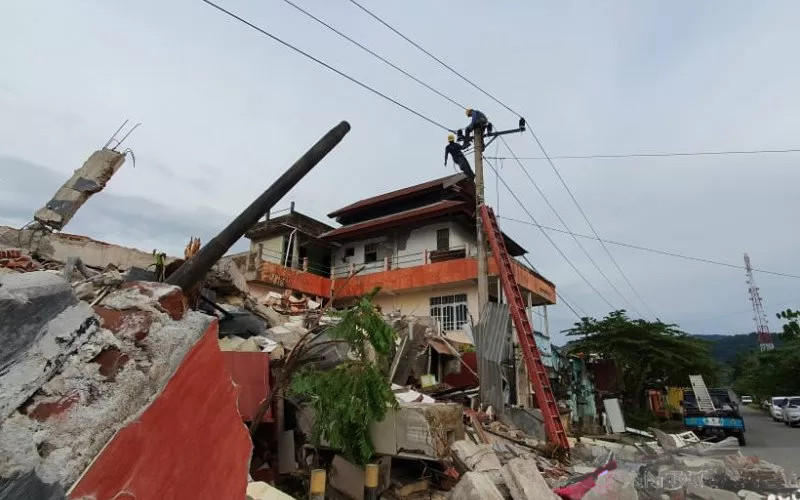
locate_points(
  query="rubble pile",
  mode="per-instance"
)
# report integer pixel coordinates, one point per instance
(73, 374)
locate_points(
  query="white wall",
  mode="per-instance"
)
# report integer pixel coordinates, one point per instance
(417, 302)
(419, 240)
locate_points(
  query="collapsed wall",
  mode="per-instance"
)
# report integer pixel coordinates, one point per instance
(143, 365)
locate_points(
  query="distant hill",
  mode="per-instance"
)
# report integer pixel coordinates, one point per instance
(724, 348)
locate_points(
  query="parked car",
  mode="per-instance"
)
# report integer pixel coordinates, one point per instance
(790, 414)
(776, 407)
(747, 400)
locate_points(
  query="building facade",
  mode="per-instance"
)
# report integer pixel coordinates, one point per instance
(417, 244)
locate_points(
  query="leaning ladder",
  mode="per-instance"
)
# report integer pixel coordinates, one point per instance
(530, 353)
(704, 401)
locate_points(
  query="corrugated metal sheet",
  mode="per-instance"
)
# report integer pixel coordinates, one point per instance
(493, 333)
(495, 355)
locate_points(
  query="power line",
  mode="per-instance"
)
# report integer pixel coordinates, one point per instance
(564, 223)
(322, 63)
(559, 295)
(552, 242)
(530, 129)
(653, 155)
(372, 53)
(415, 44)
(586, 218)
(652, 250)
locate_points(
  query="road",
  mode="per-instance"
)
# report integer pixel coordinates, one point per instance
(771, 441)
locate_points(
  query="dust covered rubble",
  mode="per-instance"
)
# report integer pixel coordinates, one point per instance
(103, 384)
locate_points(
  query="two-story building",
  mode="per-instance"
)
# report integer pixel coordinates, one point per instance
(418, 244)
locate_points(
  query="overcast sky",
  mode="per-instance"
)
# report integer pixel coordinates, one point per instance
(224, 110)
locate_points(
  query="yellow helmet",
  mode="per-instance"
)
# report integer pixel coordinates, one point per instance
(451, 137)
(469, 111)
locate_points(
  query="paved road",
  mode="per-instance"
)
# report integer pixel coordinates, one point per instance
(771, 441)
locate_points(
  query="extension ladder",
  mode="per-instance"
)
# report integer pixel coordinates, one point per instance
(704, 401)
(533, 362)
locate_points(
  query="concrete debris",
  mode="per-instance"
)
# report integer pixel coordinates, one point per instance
(89, 179)
(15, 260)
(617, 484)
(348, 478)
(80, 384)
(43, 324)
(258, 490)
(525, 482)
(46, 246)
(698, 492)
(476, 486)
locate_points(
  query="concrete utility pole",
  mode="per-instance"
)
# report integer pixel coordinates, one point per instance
(483, 267)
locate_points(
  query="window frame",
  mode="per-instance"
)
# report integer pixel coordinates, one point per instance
(443, 234)
(450, 311)
(368, 250)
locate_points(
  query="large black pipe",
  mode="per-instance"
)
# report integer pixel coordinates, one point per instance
(195, 269)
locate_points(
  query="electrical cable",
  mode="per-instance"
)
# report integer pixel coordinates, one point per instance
(564, 223)
(322, 63)
(654, 250)
(530, 129)
(415, 44)
(374, 54)
(653, 155)
(552, 242)
(559, 294)
(586, 218)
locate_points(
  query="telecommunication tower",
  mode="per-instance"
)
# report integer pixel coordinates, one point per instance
(762, 327)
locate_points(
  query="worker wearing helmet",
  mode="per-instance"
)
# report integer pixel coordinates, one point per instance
(477, 119)
(454, 149)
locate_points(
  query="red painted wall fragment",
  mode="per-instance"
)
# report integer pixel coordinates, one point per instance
(190, 443)
(250, 372)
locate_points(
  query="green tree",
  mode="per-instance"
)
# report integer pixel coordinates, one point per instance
(791, 329)
(645, 352)
(772, 373)
(357, 393)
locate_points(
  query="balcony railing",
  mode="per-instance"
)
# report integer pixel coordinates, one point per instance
(401, 261)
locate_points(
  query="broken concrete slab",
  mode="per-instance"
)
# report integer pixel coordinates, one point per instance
(29, 486)
(348, 478)
(72, 416)
(60, 247)
(258, 490)
(618, 484)
(476, 486)
(470, 456)
(43, 323)
(90, 178)
(525, 482)
(697, 492)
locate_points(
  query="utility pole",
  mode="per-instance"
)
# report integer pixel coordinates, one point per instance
(483, 267)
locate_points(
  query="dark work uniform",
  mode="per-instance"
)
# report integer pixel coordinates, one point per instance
(454, 149)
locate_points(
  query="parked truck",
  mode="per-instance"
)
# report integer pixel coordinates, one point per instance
(722, 422)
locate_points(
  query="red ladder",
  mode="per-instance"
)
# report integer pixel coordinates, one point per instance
(533, 362)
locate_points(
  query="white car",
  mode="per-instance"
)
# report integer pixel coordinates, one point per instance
(790, 413)
(746, 400)
(776, 407)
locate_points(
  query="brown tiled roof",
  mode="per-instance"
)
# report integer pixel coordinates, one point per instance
(400, 194)
(428, 211)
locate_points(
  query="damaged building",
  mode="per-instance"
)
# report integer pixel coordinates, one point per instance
(119, 382)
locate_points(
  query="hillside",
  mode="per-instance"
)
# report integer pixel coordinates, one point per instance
(724, 348)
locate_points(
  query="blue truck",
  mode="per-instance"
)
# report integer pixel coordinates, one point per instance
(723, 422)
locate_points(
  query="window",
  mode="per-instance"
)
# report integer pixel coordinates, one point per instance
(349, 251)
(443, 239)
(370, 253)
(450, 311)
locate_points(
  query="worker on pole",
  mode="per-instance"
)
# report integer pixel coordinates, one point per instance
(454, 149)
(477, 120)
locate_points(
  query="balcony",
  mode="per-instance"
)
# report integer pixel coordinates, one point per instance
(401, 273)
